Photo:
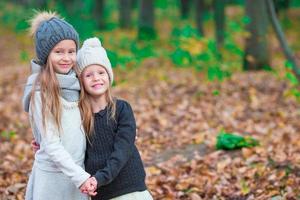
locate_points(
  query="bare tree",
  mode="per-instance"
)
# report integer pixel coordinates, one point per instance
(146, 20)
(200, 11)
(219, 16)
(280, 35)
(125, 13)
(98, 13)
(256, 52)
(185, 8)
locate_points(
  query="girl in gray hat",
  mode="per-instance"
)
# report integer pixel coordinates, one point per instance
(51, 97)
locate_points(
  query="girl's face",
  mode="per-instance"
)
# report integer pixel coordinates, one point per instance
(95, 80)
(63, 56)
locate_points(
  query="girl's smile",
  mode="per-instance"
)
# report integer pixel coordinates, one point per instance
(97, 86)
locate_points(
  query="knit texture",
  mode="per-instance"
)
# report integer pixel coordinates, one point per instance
(91, 53)
(112, 155)
(51, 32)
(69, 85)
(61, 154)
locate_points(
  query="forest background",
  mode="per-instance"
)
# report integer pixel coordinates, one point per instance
(214, 85)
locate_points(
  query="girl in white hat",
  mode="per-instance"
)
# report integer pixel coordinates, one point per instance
(111, 154)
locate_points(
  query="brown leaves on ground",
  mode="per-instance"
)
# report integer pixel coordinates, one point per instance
(179, 116)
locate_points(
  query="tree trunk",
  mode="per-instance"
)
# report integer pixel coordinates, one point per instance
(98, 13)
(200, 11)
(280, 35)
(146, 20)
(125, 13)
(219, 16)
(256, 52)
(185, 8)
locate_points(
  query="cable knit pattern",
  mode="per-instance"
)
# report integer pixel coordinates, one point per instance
(49, 33)
(68, 83)
(113, 157)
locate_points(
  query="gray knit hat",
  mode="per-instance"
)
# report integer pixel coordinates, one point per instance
(48, 30)
(91, 53)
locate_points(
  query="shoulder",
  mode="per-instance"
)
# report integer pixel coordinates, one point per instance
(123, 107)
(121, 103)
(124, 113)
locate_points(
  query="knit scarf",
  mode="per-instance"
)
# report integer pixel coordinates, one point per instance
(68, 83)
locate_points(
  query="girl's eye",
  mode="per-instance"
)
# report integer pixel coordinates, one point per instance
(57, 51)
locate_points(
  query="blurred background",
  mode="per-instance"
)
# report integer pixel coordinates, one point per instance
(214, 85)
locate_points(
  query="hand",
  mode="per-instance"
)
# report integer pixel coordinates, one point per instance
(35, 146)
(89, 186)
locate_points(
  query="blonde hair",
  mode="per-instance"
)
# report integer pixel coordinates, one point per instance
(46, 80)
(86, 110)
(50, 93)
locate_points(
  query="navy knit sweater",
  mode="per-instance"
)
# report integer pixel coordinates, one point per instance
(112, 155)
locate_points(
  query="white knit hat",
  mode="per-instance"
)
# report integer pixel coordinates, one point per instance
(91, 53)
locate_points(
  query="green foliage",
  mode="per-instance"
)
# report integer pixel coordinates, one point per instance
(14, 16)
(192, 50)
(229, 141)
(113, 58)
(181, 58)
(79, 15)
(7, 135)
(236, 2)
(295, 3)
(24, 57)
(146, 33)
(186, 32)
(216, 92)
(216, 73)
(292, 79)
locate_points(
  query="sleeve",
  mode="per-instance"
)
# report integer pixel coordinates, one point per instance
(123, 146)
(54, 148)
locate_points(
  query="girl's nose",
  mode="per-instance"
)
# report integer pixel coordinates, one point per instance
(96, 77)
(67, 57)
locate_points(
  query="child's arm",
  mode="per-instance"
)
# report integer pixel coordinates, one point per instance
(123, 145)
(54, 148)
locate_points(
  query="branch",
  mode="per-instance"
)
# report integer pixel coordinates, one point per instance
(280, 36)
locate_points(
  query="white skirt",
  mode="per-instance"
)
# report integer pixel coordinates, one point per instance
(144, 195)
(46, 185)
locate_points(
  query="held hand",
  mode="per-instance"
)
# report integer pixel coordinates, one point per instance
(93, 185)
(89, 186)
(35, 146)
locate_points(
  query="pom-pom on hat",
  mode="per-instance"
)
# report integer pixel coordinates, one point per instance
(92, 53)
(48, 30)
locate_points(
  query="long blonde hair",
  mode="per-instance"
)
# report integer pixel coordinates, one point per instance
(50, 93)
(86, 110)
(46, 79)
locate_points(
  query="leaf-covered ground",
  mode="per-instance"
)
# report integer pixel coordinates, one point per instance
(179, 116)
